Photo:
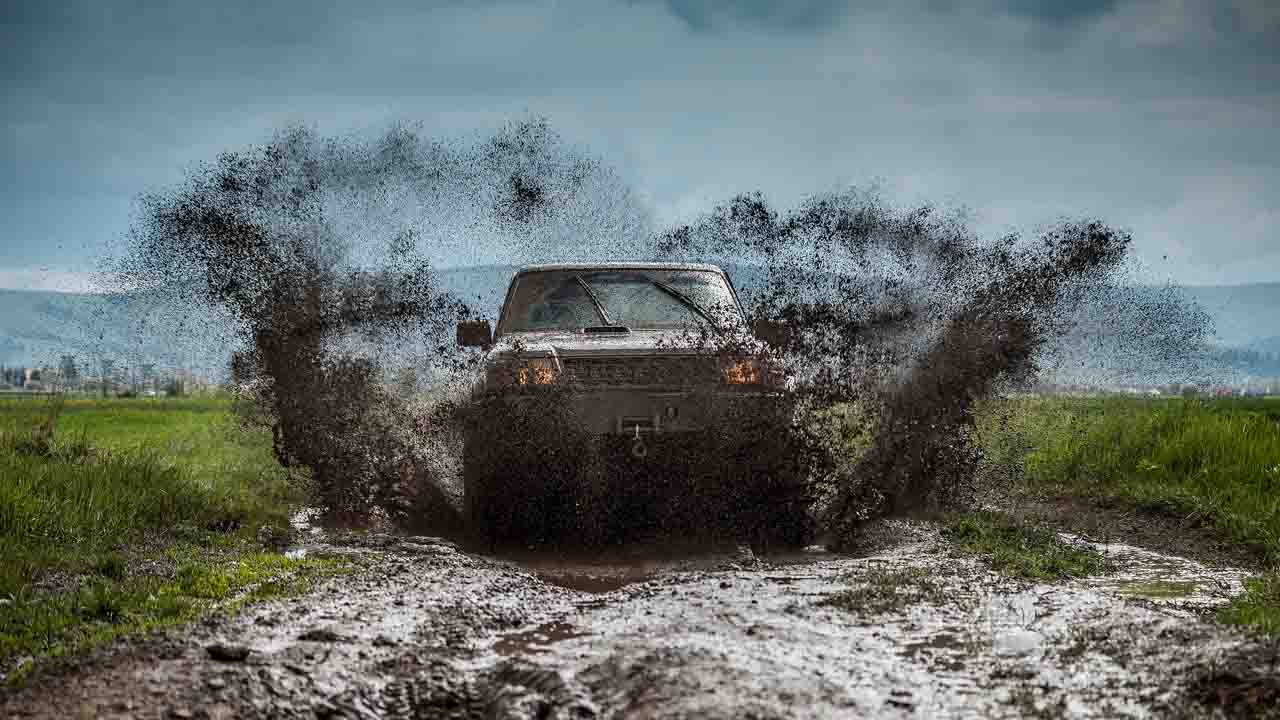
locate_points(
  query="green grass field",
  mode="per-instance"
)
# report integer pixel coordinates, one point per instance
(1210, 463)
(122, 515)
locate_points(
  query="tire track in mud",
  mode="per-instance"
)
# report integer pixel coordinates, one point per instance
(432, 631)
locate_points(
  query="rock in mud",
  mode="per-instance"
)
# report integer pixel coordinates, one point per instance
(322, 635)
(510, 691)
(226, 652)
(1244, 684)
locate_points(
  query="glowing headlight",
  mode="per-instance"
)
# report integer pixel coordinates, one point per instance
(531, 371)
(752, 371)
(539, 371)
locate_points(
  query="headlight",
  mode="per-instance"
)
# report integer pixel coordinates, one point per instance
(752, 371)
(529, 371)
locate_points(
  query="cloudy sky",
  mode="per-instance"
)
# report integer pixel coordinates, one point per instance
(1160, 116)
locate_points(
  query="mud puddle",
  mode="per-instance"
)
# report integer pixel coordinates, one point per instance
(431, 630)
(619, 569)
(537, 640)
(1174, 582)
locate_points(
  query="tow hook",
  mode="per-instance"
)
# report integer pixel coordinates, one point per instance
(638, 448)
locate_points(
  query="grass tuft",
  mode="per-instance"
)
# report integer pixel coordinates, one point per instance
(1020, 550)
(1259, 606)
(881, 590)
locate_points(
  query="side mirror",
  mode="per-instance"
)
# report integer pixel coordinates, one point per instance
(775, 334)
(475, 333)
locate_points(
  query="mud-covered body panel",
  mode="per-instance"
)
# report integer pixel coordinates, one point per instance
(612, 433)
(645, 410)
(653, 380)
(539, 468)
(612, 394)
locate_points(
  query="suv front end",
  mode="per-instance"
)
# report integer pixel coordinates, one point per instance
(637, 380)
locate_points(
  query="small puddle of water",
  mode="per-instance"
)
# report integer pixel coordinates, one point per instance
(535, 641)
(594, 583)
(1156, 589)
(1165, 579)
(641, 563)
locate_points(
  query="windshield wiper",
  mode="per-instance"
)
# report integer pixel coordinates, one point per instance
(595, 301)
(684, 300)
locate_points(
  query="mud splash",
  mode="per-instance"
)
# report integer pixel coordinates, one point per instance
(316, 252)
(909, 316)
(313, 253)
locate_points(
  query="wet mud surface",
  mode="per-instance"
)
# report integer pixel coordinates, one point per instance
(431, 630)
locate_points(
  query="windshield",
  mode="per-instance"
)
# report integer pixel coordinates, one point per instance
(636, 299)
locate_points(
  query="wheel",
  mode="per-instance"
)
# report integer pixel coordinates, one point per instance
(776, 509)
(473, 486)
(521, 477)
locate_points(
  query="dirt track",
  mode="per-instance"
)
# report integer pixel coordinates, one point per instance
(432, 631)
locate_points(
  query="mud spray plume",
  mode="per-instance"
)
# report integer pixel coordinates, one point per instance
(318, 254)
(908, 316)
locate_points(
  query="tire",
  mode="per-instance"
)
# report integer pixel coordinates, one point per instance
(776, 510)
(471, 487)
(479, 477)
(521, 476)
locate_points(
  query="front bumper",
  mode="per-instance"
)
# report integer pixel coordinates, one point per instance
(644, 412)
(543, 464)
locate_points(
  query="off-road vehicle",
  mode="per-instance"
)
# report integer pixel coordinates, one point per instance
(622, 400)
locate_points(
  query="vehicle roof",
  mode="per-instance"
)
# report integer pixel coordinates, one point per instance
(619, 266)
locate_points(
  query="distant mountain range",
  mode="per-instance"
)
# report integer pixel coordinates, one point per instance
(1245, 316)
(36, 327)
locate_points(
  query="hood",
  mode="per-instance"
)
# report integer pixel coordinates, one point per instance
(577, 344)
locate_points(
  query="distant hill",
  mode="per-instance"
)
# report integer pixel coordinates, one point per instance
(39, 326)
(1266, 345)
(1245, 315)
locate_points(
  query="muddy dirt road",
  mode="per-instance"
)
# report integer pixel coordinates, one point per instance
(431, 631)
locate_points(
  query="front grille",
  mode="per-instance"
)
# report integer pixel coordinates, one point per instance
(679, 371)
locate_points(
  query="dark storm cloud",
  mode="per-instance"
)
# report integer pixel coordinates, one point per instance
(798, 14)
(1158, 115)
(1061, 11)
(707, 14)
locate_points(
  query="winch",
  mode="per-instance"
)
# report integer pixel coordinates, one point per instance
(638, 449)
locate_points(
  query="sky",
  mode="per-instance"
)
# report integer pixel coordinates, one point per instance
(1157, 116)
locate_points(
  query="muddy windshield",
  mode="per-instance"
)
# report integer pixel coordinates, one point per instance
(632, 298)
